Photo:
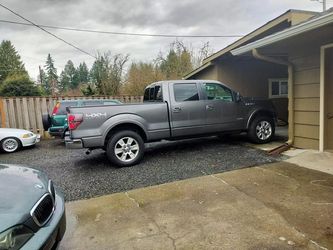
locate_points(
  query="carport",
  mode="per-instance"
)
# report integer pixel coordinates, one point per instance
(307, 50)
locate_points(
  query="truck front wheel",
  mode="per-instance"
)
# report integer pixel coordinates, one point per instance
(125, 148)
(262, 130)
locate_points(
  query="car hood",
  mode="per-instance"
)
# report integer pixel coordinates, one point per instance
(5, 132)
(20, 189)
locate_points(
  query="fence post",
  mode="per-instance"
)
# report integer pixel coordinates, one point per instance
(2, 114)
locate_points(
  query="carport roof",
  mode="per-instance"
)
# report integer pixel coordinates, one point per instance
(312, 24)
(287, 16)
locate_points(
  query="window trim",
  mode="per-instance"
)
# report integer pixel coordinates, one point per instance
(280, 80)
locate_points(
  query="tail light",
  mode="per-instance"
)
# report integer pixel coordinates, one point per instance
(74, 120)
(56, 108)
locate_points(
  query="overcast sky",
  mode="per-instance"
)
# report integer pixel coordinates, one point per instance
(182, 17)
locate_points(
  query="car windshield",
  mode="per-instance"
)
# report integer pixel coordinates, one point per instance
(63, 105)
(99, 102)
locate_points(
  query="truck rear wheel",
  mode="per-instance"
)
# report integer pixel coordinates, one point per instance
(262, 129)
(125, 148)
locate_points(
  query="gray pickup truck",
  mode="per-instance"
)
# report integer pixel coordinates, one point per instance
(171, 110)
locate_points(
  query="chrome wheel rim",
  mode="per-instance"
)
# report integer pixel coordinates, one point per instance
(10, 145)
(126, 149)
(264, 130)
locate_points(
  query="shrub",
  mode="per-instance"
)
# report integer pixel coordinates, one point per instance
(19, 85)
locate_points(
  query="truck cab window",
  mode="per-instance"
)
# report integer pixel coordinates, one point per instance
(146, 95)
(151, 94)
(216, 91)
(158, 94)
(186, 92)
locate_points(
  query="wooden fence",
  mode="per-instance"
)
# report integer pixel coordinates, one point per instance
(26, 112)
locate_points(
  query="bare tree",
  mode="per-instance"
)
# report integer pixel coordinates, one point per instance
(107, 72)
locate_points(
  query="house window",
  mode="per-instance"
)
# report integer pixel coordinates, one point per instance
(278, 88)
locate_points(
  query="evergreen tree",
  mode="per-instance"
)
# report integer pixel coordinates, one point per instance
(83, 73)
(69, 78)
(10, 61)
(51, 84)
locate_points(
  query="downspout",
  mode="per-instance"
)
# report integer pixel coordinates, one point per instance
(259, 56)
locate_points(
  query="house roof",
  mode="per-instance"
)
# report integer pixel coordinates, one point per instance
(311, 24)
(286, 16)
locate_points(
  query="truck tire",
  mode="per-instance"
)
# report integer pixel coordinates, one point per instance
(262, 130)
(125, 148)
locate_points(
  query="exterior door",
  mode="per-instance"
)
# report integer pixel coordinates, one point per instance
(329, 99)
(187, 109)
(222, 111)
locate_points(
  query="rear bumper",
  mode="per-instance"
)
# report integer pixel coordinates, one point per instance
(73, 143)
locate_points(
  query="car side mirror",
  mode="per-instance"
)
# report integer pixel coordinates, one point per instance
(238, 97)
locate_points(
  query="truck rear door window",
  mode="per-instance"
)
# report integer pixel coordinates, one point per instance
(186, 92)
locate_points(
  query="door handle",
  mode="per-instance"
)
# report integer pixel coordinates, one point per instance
(209, 107)
(176, 109)
(329, 116)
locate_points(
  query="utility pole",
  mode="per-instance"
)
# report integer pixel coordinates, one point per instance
(324, 5)
(323, 2)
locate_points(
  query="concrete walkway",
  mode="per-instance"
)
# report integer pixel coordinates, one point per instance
(276, 206)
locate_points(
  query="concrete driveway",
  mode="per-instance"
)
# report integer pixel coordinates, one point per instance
(274, 206)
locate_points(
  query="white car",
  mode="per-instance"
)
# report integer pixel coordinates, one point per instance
(12, 139)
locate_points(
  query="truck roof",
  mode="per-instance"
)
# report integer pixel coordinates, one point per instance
(182, 81)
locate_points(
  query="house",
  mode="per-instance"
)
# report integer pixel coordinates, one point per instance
(248, 75)
(305, 51)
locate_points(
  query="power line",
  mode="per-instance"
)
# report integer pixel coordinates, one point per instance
(121, 33)
(48, 32)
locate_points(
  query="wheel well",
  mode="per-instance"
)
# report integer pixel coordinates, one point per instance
(260, 113)
(126, 126)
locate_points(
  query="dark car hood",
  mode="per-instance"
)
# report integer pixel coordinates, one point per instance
(20, 189)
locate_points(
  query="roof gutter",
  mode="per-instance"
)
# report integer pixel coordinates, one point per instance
(256, 54)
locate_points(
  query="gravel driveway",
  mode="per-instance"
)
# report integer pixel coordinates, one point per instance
(83, 176)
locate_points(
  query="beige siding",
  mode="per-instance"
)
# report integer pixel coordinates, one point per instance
(307, 131)
(298, 17)
(307, 104)
(250, 77)
(307, 90)
(301, 142)
(209, 73)
(307, 97)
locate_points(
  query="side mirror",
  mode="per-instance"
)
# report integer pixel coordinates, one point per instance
(238, 97)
